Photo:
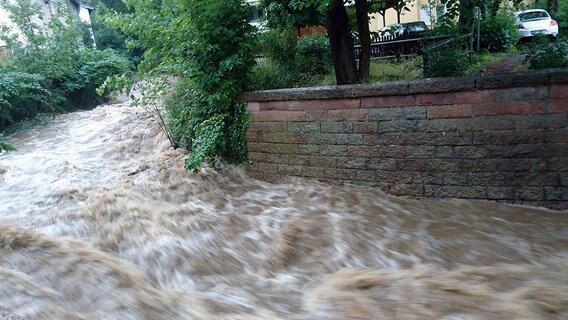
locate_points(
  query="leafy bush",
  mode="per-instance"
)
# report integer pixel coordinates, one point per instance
(446, 62)
(292, 61)
(48, 74)
(543, 54)
(499, 33)
(21, 96)
(313, 54)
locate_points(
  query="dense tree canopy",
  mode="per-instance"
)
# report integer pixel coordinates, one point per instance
(333, 14)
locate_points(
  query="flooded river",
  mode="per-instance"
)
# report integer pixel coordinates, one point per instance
(99, 220)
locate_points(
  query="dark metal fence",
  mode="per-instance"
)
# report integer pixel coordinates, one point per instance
(391, 46)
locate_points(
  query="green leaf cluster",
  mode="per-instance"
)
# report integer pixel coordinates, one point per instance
(542, 54)
(50, 70)
(289, 61)
(207, 45)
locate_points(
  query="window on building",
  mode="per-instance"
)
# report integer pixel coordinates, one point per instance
(257, 14)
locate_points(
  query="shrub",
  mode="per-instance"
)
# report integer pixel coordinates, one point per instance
(543, 54)
(499, 33)
(21, 96)
(49, 74)
(292, 61)
(446, 61)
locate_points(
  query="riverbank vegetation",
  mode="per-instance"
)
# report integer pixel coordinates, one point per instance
(51, 70)
(207, 46)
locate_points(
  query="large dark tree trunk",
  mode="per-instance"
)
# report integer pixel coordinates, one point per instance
(362, 13)
(466, 17)
(341, 43)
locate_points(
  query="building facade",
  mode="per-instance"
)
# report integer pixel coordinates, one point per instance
(49, 9)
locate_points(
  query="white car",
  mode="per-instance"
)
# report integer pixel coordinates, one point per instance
(536, 22)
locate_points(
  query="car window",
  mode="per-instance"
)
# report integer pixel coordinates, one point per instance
(535, 15)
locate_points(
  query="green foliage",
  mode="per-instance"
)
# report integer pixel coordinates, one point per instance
(498, 33)
(5, 146)
(543, 54)
(207, 45)
(49, 71)
(21, 96)
(290, 62)
(450, 60)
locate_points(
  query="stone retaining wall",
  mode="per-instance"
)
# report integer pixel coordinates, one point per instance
(501, 137)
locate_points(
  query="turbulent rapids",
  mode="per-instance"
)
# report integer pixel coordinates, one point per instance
(99, 220)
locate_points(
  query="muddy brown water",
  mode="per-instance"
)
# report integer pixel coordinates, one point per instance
(99, 220)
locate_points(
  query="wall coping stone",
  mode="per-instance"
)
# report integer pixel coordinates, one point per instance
(433, 85)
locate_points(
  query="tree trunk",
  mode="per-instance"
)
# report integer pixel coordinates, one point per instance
(362, 13)
(341, 43)
(465, 22)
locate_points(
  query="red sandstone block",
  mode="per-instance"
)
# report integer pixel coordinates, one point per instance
(313, 172)
(297, 159)
(432, 99)
(362, 151)
(256, 156)
(412, 165)
(536, 107)
(276, 158)
(263, 116)
(294, 170)
(449, 112)
(364, 127)
(468, 192)
(253, 106)
(420, 152)
(291, 116)
(261, 136)
(558, 106)
(479, 165)
(559, 91)
(284, 148)
(388, 101)
(271, 126)
(343, 174)
(444, 165)
(474, 97)
(324, 162)
(315, 115)
(559, 135)
(492, 109)
(295, 138)
(391, 152)
(273, 105)
(401, 189)
(394, 176)
(501, 193)
(350, 114)
(255, 147)
(520, 94)
(325, 104)
(365, 175)
(382, 164)
(352, 162)
(529, 193)
(268, 167)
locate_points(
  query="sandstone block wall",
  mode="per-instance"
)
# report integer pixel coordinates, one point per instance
(502, 138)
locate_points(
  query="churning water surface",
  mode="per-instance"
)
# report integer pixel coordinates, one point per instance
(99, 220)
